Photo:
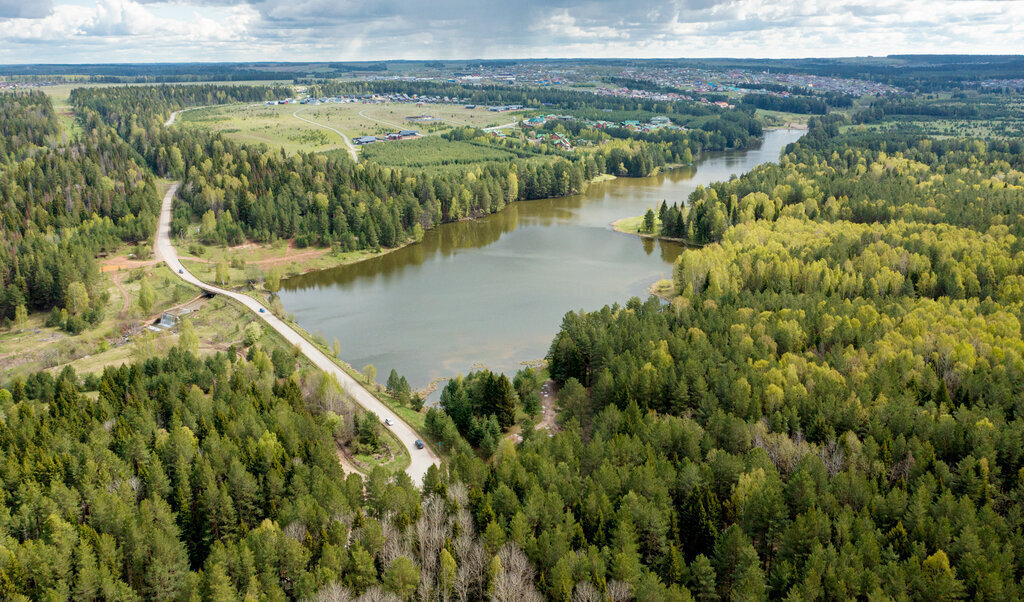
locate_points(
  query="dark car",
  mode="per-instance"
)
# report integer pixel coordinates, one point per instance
(419, 444)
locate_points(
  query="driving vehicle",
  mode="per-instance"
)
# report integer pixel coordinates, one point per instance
(389, 422)
(419, 444)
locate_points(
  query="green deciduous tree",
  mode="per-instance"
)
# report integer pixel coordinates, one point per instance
(146, 296)
(76, 299)
(402, 577)
(188, 338)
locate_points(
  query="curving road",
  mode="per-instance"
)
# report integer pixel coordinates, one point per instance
(421, 459)
(348, 143)
(174, 116)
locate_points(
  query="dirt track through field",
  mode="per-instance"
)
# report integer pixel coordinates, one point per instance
(348, 143)
(127, 303)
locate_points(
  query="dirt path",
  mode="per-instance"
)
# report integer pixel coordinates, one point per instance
(381, 121)
(120, 262)
(311, 254)
(126, 305)
(548, 399)
(346, 463)
(501, 127)
(348, 143)
(174, 116)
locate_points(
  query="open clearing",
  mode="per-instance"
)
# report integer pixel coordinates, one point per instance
(276, 125)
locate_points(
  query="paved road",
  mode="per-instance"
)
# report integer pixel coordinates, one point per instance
(348, 143)
(165, 251)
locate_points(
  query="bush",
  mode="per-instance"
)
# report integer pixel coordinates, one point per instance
(91, 382)
(53, 319)
(531, 403)
(253, 333)
(284, 362)
(75, 325)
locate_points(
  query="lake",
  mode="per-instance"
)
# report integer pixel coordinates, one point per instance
(492, 292)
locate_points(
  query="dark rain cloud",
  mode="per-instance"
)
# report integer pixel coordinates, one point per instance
(25, 9)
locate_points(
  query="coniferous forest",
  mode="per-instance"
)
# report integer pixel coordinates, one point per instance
(828, 403)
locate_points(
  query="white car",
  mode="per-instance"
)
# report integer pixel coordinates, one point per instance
(389, 422)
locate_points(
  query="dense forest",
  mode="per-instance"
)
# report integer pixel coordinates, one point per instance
(959, 107)
(185, 478)
(101, 182)
(869, 177)
(556, 98)
(128, 107)
(263, 194)
(829, 407)
(832, 406)
(60, 205)
(27, 121)
(790, 104)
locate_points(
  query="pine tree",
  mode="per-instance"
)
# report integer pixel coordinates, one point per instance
(88, 580)
(504, 402)
(649, 221)
(700, 514)
(392, 384)
(702, 580)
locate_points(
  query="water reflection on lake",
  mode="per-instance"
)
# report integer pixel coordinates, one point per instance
(493, 291)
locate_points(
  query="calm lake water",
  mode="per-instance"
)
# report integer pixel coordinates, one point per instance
(493, 292)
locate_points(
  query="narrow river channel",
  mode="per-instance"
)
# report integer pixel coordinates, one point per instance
(493, 292)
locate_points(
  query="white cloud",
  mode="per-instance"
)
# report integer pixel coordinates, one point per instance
(123, 30)
(224, 30)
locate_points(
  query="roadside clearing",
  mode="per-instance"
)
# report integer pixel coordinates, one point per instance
(420, 459)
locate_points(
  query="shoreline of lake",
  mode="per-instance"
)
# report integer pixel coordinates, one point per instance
(493, 290)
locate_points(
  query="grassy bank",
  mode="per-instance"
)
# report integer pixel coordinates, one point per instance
(635, 225)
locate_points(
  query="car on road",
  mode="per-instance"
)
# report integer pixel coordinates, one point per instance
(263, 311)
(181, 270)
(419, 444)
(389, 422)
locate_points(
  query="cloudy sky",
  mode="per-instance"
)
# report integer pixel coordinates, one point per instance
(84, 31)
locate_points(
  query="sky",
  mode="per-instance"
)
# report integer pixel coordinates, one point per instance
(105, 31)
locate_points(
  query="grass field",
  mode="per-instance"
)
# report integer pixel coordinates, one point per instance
(781, 119)
(946, 128)
(116, 339)
(60, 96)
(431, 151)
(259, 124)
(253, 261)
(277, 127)
(634, 225)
